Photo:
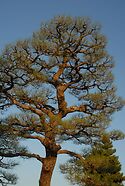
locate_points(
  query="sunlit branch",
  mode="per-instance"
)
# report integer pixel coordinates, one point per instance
(73, 154)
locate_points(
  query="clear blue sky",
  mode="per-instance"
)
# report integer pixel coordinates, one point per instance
(19, 18)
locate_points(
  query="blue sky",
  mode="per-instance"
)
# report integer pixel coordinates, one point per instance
(19, 19)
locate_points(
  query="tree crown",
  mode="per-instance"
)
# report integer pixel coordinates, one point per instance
(65, 60)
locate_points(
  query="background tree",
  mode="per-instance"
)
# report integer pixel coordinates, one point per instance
(8, 144)
(100, 167)
(61, 82)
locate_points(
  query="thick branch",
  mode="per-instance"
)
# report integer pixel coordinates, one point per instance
(27, 107)
(39, 138)
(71, 154)
(61, 99)
(81, 108)
(22, 154)
(38, 110)
(39, 106)
(60, 70)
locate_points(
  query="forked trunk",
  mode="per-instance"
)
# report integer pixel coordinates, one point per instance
(47, 171)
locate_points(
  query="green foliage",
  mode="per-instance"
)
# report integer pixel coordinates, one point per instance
(7, 178)
(100, 167)
(7, 144)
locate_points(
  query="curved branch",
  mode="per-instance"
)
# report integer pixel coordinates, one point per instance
(71, 154)
(28, 107)
(24, 106)
(39, 138)
(38, 110)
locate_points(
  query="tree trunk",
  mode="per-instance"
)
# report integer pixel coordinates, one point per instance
(47, 170)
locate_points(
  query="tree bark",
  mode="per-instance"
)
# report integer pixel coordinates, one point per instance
(47, 170)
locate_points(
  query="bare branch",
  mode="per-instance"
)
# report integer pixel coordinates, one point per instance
(39, 138)
(71, 154)
(22, 154)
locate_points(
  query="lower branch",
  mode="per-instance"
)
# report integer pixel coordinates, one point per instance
(71, 154)
(22, 154)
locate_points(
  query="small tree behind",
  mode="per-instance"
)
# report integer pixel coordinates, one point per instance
(101, 167)
(8, 144)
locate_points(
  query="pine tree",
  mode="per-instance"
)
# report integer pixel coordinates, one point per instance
(9, 144)
(101, 166)
(67, 57)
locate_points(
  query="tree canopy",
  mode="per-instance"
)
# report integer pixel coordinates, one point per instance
(61, 82)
